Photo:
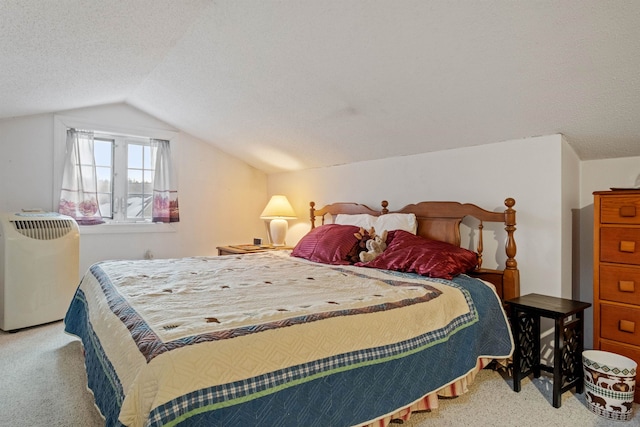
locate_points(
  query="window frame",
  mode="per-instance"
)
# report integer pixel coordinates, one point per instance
(61, 124)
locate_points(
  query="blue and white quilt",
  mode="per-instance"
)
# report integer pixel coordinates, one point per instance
(266, 339)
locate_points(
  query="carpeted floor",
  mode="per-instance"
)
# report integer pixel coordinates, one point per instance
(43, 383)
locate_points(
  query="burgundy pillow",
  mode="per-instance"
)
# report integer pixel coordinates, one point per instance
(414, 254)
(328, 244)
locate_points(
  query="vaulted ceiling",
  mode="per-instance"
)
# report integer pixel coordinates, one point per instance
(296, 84)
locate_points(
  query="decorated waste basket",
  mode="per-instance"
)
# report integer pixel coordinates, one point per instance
(610, 383)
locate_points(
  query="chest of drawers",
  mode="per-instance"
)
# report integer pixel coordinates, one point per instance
(616, 274)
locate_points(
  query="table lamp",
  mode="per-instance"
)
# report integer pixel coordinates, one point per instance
(278, 210)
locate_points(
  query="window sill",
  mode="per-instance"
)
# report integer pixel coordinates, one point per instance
(124, 227)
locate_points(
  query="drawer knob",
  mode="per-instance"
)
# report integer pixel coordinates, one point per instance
(627, 326)
(626, 286)
(627, 246)
(627, 211)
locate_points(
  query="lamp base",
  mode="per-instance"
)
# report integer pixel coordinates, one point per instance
(278, 230)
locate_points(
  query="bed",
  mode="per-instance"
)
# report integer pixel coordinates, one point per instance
(291, 338)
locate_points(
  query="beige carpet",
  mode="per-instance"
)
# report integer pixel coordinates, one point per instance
(43, 383)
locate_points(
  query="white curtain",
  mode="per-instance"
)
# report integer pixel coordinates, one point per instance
(165, 193)
(79, 195)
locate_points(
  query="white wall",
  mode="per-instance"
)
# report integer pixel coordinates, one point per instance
(529, 170)
(25, 163)
(220, 196)
(600, 175)
(570, 202)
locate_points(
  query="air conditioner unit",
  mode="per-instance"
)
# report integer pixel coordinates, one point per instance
(39, 267)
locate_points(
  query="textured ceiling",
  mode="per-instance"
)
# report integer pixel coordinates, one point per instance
(298, 84)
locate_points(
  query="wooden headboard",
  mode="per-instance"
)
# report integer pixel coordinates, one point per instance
(441, 221)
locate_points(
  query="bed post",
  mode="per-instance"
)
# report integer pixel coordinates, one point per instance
(384, 207)
(511, 273)
(312, 211)
(480, 246)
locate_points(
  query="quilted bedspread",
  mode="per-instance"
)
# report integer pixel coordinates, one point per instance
(268, 339)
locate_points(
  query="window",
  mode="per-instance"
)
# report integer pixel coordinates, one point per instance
(112, 177)
(125, 168)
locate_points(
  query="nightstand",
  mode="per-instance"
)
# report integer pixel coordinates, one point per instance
(248, 249)
(568, 341)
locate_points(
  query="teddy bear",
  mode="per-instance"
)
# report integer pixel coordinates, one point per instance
(363, 237)
(375, 246)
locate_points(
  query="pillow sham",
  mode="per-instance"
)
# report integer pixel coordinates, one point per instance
(365, 221)
(414, 254)
(397, 221)
(328, 244)
(389, 222)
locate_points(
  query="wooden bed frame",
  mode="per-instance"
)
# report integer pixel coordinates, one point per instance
(441, 221)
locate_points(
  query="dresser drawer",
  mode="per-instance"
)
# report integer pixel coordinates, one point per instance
(620, 323)
(620, 245)
(620, 210)
(620, 283)
(626, 351)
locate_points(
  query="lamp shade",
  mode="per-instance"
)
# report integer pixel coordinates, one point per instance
(278, 208)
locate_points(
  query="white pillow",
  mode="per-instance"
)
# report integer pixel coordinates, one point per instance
(365, 221)
(396, 221)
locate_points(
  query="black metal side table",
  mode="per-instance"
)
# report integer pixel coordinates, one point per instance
(568, 340)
